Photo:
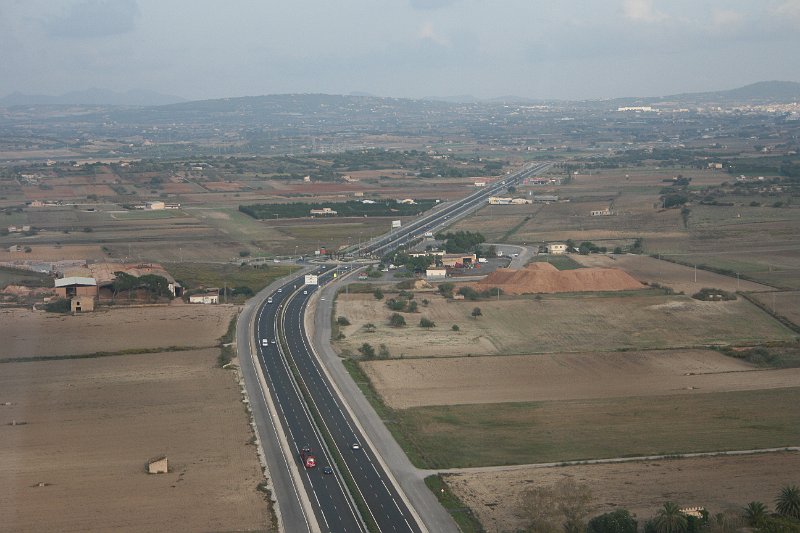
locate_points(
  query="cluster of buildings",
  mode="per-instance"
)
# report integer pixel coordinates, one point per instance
(91, 283)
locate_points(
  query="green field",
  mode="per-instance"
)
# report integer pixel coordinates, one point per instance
(10, 276)
(194, 275)
(520, 433)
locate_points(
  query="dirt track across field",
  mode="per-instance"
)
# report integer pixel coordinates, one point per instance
(521, 378)
(716, 483)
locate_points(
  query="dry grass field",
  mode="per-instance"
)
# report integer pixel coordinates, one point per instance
(680, 278)
(86, 428)
(27, 333)
(472, 435)
(784, 303)
(528, 378)
(718, 483)
(556, 324)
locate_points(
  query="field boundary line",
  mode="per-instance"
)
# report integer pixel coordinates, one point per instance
(611, 460)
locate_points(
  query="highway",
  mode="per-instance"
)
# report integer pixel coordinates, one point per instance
(446, 214)
(294, 403)
(330, 501)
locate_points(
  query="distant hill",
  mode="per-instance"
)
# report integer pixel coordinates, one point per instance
(763, 92)
(136, 97)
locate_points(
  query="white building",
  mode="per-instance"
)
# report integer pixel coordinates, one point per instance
(205, 298)
(435, 273)
(556, 248)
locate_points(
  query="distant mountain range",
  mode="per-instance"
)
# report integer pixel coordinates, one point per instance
(764, 92)
(136, 97)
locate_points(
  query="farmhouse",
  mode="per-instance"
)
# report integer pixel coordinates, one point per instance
(480, 184)
(325, 211)
(81, 304)
(157, 205)
(211, 296)
(601, 212)
(556, 248)
(76, 286)
(435, 273)
(498, 200)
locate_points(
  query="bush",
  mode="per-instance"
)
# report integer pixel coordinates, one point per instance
(411, 307)
(58, 306)
(397, 320)
(619, 521)
(469, 293)
(378, 294)
(396, 304)
(446, 289)
(342, 321)
(383, 352)
(455, 327)
(426, 323)
(367, 350)
(707, 294)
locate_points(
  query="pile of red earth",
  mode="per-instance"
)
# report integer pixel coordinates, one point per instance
(545, 278)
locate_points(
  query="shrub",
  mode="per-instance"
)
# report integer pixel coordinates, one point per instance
(58, 306)
(367, 350)
(426, 323)
(378, 294)
(707, 294)
(342, 321)
(396, 304)
(397, 320)
(455, 327)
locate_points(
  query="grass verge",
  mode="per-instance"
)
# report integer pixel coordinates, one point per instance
(465, 519)
(226, 349)
(388, 415)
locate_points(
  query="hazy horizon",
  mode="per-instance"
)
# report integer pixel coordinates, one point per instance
(401, 48)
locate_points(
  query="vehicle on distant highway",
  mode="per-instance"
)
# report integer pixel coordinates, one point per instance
(264, 342)
(307, 457)
(269, 300)
(355, 446)
(327, 470)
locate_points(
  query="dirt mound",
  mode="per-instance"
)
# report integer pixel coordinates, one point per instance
(545, 278)
(421, 284)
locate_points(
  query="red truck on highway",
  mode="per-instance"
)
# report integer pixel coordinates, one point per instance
(307, 457)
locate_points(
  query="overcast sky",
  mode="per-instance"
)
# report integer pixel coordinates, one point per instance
(200, 49)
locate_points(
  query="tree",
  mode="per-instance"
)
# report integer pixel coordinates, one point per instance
(619, 521)
(397, 320)
(412, 307)
(383, 351)
(367, 350)
(788, 502)
(670, 519)
(426, 323)
(476, 312)
(755, 513)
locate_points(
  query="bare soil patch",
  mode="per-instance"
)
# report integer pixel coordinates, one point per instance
(48, 252)
(717, 483)
(520, 378)
(27, 333)
(90, 426)
(545, 278)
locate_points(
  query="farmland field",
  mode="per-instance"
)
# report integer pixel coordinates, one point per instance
(85, 430)
(718, 483)
(557, 324)
(405, 383)
(533, 432)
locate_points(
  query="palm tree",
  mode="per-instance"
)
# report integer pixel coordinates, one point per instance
(670, 519)
(788, 502)
(755, 513)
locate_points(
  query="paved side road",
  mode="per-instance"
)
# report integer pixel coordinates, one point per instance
(410, 479)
